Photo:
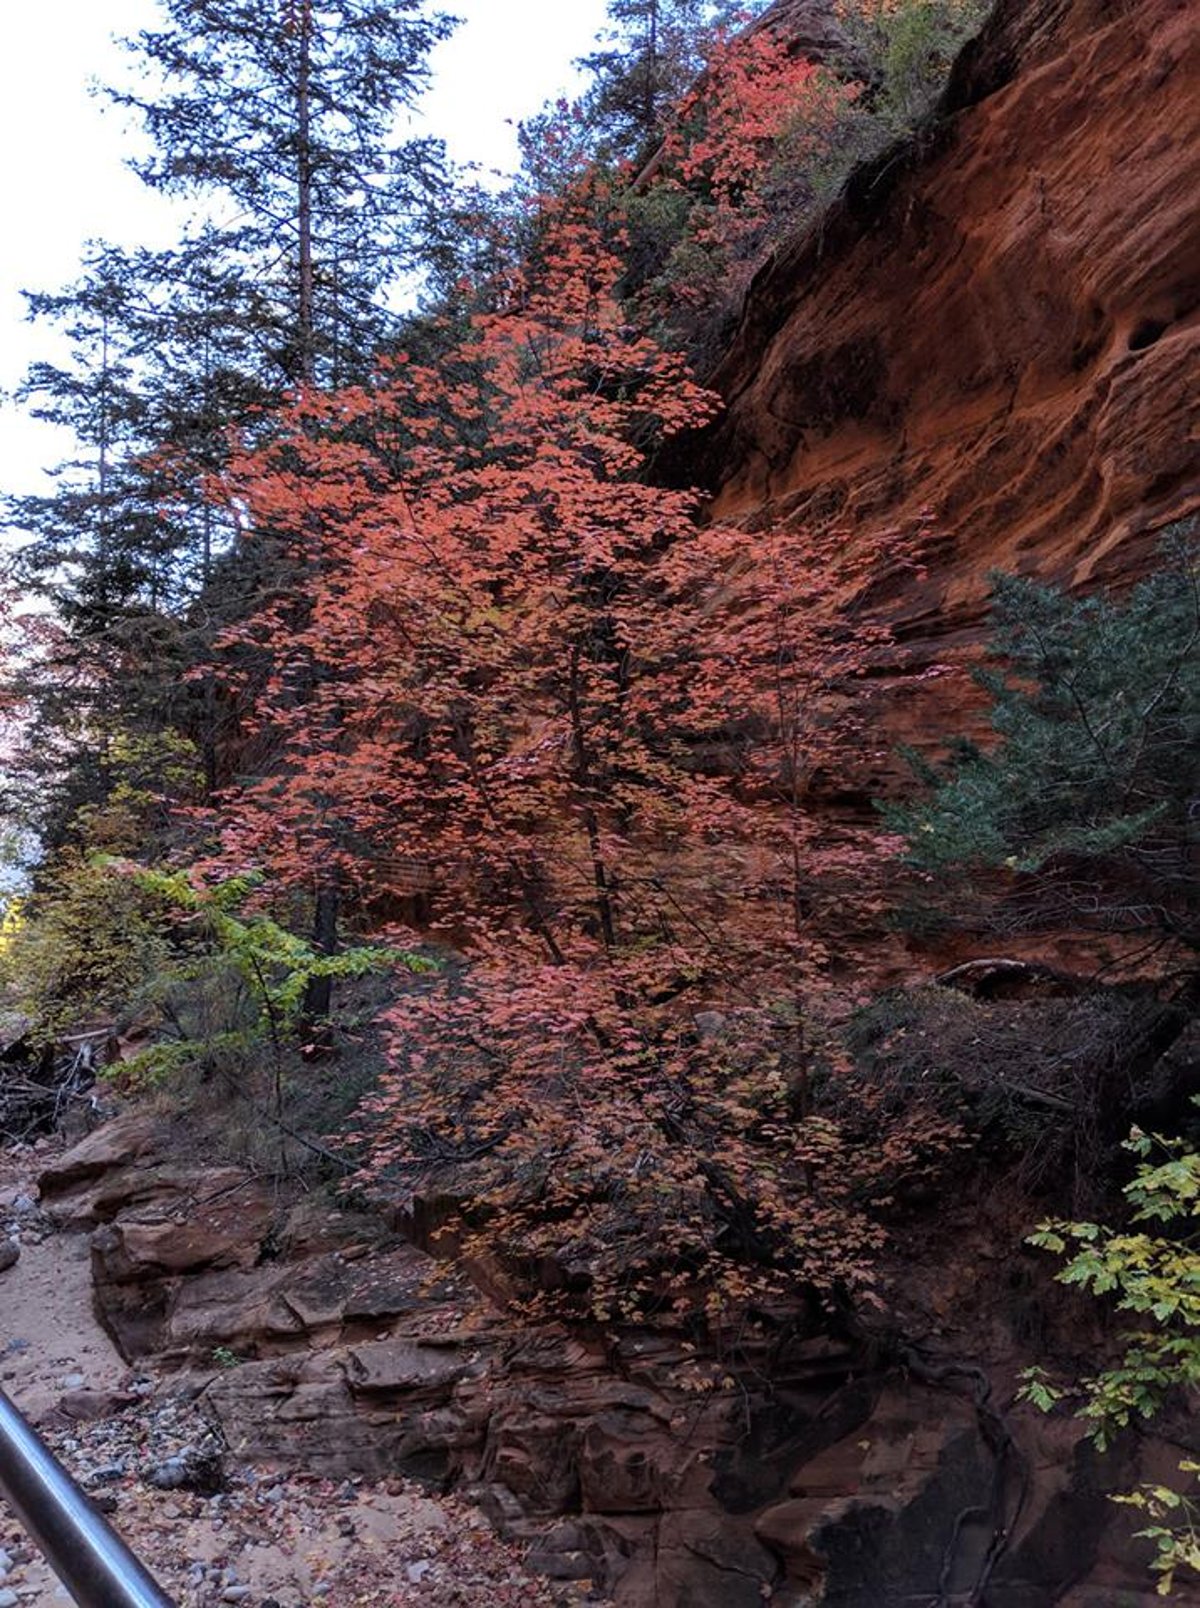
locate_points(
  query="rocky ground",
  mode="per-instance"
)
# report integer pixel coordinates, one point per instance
(326, 1353)
(212, 1531)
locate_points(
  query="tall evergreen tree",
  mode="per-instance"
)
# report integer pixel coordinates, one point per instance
(280, 119)
(97, 550)
(95, 395)
(651, 53)
(277, 119)
(280, 116)
(278, 123)
(158, 370)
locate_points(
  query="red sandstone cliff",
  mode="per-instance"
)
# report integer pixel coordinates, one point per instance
(999, 320)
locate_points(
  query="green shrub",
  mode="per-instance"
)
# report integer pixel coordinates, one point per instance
(236, 980)
(89, 945)
(907, 48)
(1087, 799)
(214, 983)
(1151, 1270)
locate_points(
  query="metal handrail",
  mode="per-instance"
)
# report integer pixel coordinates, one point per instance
(81, 1547)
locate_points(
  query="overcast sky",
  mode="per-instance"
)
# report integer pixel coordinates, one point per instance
(62, 179)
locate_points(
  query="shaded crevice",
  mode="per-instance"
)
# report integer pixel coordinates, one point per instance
(1147, 332)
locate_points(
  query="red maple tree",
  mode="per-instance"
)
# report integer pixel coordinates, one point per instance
(524, 679)
(742, 164)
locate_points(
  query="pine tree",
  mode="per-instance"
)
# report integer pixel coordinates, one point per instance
(1088, 798)
(280, 118)
(159, 370)
(653, 51)
(278, 123)
(287, 118)
(281, 122)
(126, 543)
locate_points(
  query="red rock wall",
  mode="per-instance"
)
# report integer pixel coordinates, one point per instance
(801, 1468)
(999, 321)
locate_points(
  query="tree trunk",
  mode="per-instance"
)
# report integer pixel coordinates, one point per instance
(587, 786)
(650, 105)
(103, 543)
(318, 996)
(305, 322)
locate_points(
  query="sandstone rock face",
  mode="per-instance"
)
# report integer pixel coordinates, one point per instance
(999, 323)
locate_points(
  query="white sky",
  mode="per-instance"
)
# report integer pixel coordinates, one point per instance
(62, 179)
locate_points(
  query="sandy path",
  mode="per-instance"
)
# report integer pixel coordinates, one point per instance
(49, 1340)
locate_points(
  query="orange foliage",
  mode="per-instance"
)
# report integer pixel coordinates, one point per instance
(597, 726)
(746, 148)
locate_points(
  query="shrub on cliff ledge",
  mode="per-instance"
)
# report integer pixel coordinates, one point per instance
(1090, 797)
(907, 48)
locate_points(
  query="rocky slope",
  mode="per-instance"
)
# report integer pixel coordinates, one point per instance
(997, 323)
(829, 1466)
(143, 1443)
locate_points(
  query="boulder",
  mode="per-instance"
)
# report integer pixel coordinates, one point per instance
(127, 1139)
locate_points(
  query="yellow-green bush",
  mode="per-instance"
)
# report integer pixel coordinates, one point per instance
(88, 945)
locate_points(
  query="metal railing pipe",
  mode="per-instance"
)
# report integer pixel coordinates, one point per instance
(81, 1547)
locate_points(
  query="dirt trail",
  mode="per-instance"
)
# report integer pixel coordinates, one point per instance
(212, 1533)
(50, 1341)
